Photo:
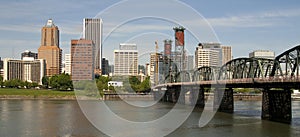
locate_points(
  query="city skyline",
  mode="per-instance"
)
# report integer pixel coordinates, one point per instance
(267, 26)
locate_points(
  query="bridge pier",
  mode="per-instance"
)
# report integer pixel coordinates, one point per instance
(158, 95)
(197, 96)
(223, 100)
(181, 94)
(276, 105)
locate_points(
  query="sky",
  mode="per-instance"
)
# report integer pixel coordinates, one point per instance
(246, 25)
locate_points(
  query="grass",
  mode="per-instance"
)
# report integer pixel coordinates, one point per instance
(34, 92)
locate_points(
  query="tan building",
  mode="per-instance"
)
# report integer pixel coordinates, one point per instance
(226, 54)
(49, 49)
(82, 59)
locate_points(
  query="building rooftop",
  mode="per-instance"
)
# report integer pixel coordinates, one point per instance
(50, 23)
(81, 42)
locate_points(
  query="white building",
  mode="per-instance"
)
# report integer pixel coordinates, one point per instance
(115, 83)
(206, 57)
(126, 60)
(68, 64)
(28, 69)
(262, 54)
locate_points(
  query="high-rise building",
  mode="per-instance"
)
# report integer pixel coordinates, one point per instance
(206, 57)
(1, 64)
(28, 69)
(262, 54)
(105, 67)
(158, 68)
(147, 69)
(49, 49)
(28, 53)
(190, 62)
(226, 54)
(82, 59)
(1, 67)
(92, 30)
(217, 47)
(68, 64)
(126, 60)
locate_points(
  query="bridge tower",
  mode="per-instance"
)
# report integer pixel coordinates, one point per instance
(179, 47)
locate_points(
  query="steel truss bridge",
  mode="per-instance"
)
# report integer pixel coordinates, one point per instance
(277, 77)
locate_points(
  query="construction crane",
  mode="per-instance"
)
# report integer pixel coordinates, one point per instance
(156, 63)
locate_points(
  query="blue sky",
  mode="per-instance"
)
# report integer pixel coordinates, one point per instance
(246, 25)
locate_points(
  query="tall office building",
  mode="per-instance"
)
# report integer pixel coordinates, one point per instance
(105, 67)
(1, 67)
(68, 64)
(82, 59)
(49, 49)
(216, 47)
(28, 69)
(262, 54)
(190, 62)
(1, 64)
(226, 54)
(126, 60)
(206, 57)
(28, 53)
(92, 30)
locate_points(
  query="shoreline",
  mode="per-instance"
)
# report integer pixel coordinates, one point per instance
(256, 97)
(33, 97)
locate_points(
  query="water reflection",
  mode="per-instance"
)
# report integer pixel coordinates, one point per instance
(30, 118)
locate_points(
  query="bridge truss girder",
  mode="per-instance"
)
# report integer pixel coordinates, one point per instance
(205, 73)
(287, 63)
(241, 68)
(184, 76)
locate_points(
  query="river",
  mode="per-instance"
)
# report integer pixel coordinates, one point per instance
(34, 118)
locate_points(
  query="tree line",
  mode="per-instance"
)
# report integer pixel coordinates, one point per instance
(63, 82)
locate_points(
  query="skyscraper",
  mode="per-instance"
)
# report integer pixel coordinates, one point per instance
(49, 49)
(82, 59)
(92, 30)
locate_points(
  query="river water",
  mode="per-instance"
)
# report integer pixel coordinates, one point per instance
(34, 118)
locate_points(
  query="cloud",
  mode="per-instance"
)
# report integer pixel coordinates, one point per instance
(266, 19)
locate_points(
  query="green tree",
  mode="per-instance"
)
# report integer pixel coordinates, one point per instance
(45, 81)
(1, 80)
(61, 82)
(134, 83)
(145, 85)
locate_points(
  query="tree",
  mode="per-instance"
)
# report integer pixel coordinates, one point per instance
(45, 81)
(145, 85)
(1, 80)
(61, 82)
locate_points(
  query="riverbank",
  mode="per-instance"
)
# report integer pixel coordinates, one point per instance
(11, 93)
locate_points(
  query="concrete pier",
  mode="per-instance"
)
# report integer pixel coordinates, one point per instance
(276, 105)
